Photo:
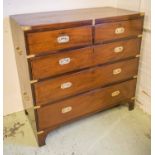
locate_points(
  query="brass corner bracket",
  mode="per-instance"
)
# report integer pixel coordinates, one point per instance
(133, 98)
(140, 36)
(33, 81)
(142, 14)
(36, 107)
(26, 28)
(135, 77)
(40, 132)
(30, 56)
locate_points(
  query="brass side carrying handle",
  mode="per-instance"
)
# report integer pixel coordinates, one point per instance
(115, 93)
(19, 51)
(63, 39)
(26, 96)
(64, 61)
(66, 85)
(119, 30)
(118, 49)
(117, 71)
(66, 109)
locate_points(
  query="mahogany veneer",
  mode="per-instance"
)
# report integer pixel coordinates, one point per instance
(75, 63)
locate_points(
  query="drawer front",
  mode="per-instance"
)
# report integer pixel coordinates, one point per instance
(115, 72)
(63, 86)
(117, 30)
(56, 64)
(116, 50)
(50, 41)
(71, 84)
(75, 107)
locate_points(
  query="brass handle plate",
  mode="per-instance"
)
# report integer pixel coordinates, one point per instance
(64, 61)
(115, 93)
(118, 49)
(117, 71)
(66, 109)
(119, 30)
(63, 39)
(66, 85)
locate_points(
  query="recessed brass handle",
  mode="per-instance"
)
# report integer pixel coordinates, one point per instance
(66, 109)
(64, 61)
(63, 39)
(118, 49)
(66, 85)
(115, 93)
(117, 71)
(119, 30)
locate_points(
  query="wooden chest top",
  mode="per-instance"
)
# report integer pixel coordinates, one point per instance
(78, 17)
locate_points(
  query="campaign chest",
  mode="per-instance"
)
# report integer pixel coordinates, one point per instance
(74, 63)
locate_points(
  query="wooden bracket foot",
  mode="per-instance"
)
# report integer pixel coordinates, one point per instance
(131, 105)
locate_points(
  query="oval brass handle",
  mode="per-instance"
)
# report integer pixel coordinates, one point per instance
(117, 71)
(66, 109)
(119, 30)
(64, 61)
(66, 85)
(115, 93)
(118, 49)
(63, 39)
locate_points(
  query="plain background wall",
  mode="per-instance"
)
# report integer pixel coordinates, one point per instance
(12, 97)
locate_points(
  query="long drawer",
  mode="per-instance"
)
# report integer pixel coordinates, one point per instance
(50, 41)
(116, 30)
(63, 62)
(81, 105)
(64, 86)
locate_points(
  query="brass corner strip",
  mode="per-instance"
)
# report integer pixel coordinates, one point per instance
(26, 28)
(40, 132)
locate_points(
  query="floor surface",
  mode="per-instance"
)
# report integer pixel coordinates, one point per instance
(112, 132)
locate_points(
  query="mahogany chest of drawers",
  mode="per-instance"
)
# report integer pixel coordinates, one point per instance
(75, 63)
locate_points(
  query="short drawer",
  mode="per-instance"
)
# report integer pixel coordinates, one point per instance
(50, 41)
(116, 51)
(55, 64)
(64, 86)
(75, 107)
(116, 30)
